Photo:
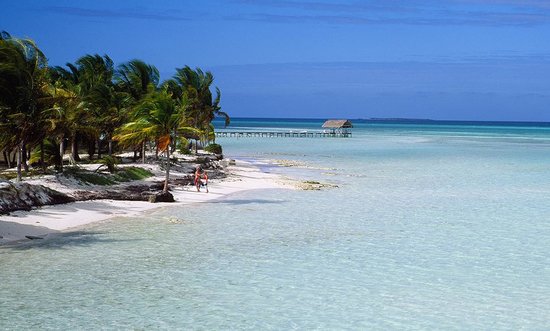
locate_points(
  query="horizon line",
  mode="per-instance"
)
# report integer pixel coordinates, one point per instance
(392, 119)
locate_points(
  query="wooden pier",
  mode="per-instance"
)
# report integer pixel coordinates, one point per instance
(284, 134)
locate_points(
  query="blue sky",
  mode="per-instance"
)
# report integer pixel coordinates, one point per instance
(438, 59)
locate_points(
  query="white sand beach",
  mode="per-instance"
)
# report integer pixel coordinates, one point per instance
(41, 222)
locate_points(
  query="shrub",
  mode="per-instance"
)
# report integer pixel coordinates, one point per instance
(214, 148)
(51, 154)
(110, 162)
(184, 146)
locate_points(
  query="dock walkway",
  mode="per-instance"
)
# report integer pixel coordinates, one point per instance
(283, 134)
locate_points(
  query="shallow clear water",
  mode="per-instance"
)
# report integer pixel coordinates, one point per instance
(431, 227)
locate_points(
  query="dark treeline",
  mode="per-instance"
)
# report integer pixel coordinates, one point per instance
(95, 106)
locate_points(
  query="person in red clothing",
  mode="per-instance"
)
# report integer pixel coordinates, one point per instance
(200, 174)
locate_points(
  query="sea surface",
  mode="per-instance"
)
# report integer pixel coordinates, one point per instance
(432, 225)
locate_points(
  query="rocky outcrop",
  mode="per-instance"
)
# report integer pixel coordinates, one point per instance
(140, 192)
(23, 196)
(136, 193)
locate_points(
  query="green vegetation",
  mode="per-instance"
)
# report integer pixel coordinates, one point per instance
(94, 104)
(132, 173)
(123, 175)
(183, 146)
(11, 175)
(110, 162)
(87, 177)
(214, 148)
(83, 176)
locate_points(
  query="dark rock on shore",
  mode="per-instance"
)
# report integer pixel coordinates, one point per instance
(162, 197)
(138, 192)
(112, 195)
(23, 196)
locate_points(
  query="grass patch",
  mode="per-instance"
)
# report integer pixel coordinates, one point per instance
(12, 175)
(8, 175)
(123, 175)
(132, 173)
(87, 177)
(84, 176)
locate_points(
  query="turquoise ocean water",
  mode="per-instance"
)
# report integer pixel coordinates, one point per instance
(434, 225)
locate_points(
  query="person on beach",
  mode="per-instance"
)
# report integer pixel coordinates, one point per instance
(200, 174)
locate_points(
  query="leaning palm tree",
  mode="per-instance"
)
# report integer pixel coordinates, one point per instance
(24, 92)
(157, 118)
(193, 87)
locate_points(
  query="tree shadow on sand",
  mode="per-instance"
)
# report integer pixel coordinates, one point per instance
(65, 240)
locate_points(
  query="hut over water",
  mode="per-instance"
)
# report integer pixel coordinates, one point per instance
(340, 128)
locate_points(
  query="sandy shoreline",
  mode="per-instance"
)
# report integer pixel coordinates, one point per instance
(41, 222)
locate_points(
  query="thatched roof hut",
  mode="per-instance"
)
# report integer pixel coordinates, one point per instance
(338, 128)
(337, 124)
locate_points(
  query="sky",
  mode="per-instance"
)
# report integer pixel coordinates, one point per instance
(432, 59)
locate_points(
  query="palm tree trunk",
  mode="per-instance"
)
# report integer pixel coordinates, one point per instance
(42, 163)
(110, 147)
(7, 158)
(91, 147)
(98, 148)
(167, 169)
(143, 152)
(174, 142)
(24, 157)
(61, 152)
(19, 160)
(74, 148)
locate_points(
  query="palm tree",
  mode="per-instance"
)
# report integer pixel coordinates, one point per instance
(24, 93)
(112, 106)
(4, 35)
(70, 112)
(90, 79)
(156, 118)
(95, 74)
(192, 88)
(69, 117)
(139, 80)
(95, 70)
(196, 85)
